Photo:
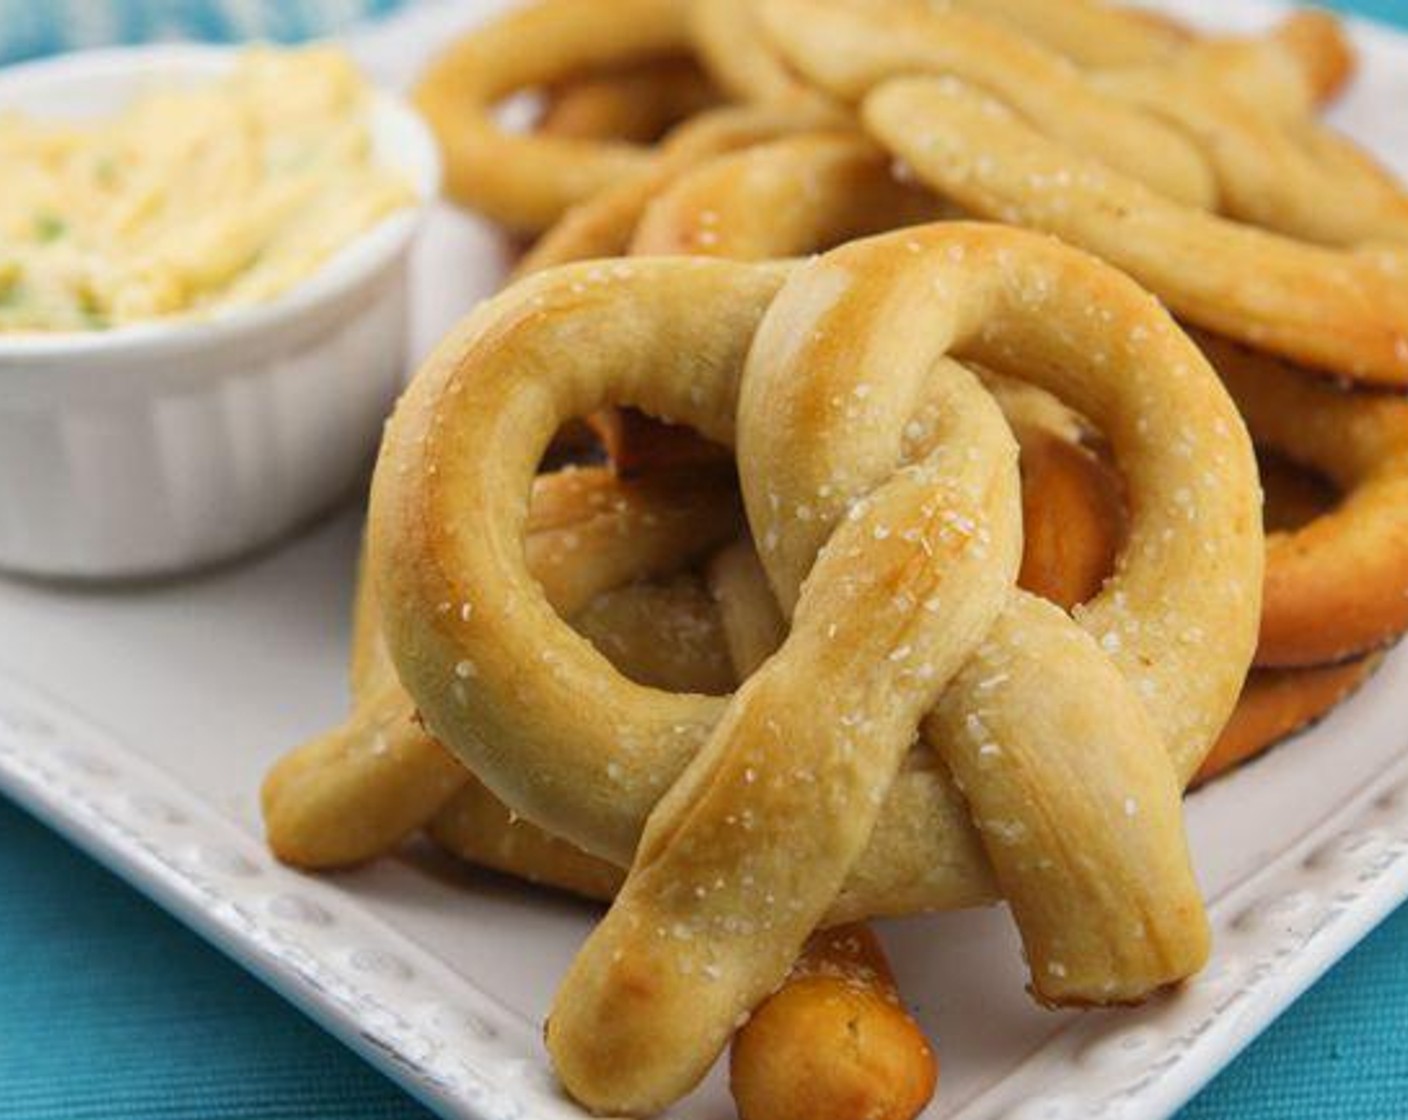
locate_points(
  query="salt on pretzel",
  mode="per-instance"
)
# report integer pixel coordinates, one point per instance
(1073, 516)
(526, 181)
(834, 1037)
(602, 225)
(1285, 175)
(1304, 61)
(1336, 587)
(833, 1042)
(607, 802)
(787, 197)
(1298, 178)
(668, 636)
(1345, 312)
(354, 792)
(846, 47)
(777, 197)
(637, 104)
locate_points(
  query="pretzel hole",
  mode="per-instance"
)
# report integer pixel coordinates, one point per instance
(1293, 495)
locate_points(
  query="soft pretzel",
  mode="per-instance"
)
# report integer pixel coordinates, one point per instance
(1304, 63)
(787, 197)
(834, 1036)
(831, 1044)
(815, 189)
(602, 225)
(1089, 32)
(526, 181)
(1296, 178)
(1242, 104)
(637, 104)
(354, 792)
(1345, 312)
(1305, 60)
(601, 809)
(1337, 586)
(846, 47)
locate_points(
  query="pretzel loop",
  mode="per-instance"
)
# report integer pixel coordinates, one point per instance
(1041, 730)
(526, 182)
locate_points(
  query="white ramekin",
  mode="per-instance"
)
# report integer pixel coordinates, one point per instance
(162, 447)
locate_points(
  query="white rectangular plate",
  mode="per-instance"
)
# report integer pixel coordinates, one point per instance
(140, 721)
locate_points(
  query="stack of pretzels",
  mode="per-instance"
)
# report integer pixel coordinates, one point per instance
(922, 572)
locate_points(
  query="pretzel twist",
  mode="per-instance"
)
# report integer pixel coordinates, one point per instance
(1304, 62)
(1336, 587)
(847, 47)
(526, 181)
(1292, 177)
(1346, 312)
(787, 197)
(602, 225)
(1091, 33)
(591, 1030)
(354, 792)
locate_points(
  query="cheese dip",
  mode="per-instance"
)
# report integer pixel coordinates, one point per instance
(191, 201)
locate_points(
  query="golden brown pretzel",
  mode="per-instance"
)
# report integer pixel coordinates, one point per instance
(1346, 312)
(526, 181)
(836, 1025)
(1072, 514)
(778, 197)
(731, 45)
(354, 792)
(1336, 587)
(1303, 62)
(831, 1043)
(602, 225)
(637, 104)
(847, 47)
(785, 197)
(1277, 703)
(1294, 177)
(729, 298)
(1089, 32)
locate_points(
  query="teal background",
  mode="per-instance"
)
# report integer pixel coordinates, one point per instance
(111, 1009)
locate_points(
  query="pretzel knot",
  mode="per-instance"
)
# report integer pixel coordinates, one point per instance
(881, 486)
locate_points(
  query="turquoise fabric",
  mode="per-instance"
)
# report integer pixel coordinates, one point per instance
(30, 28)
(111, 1009)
